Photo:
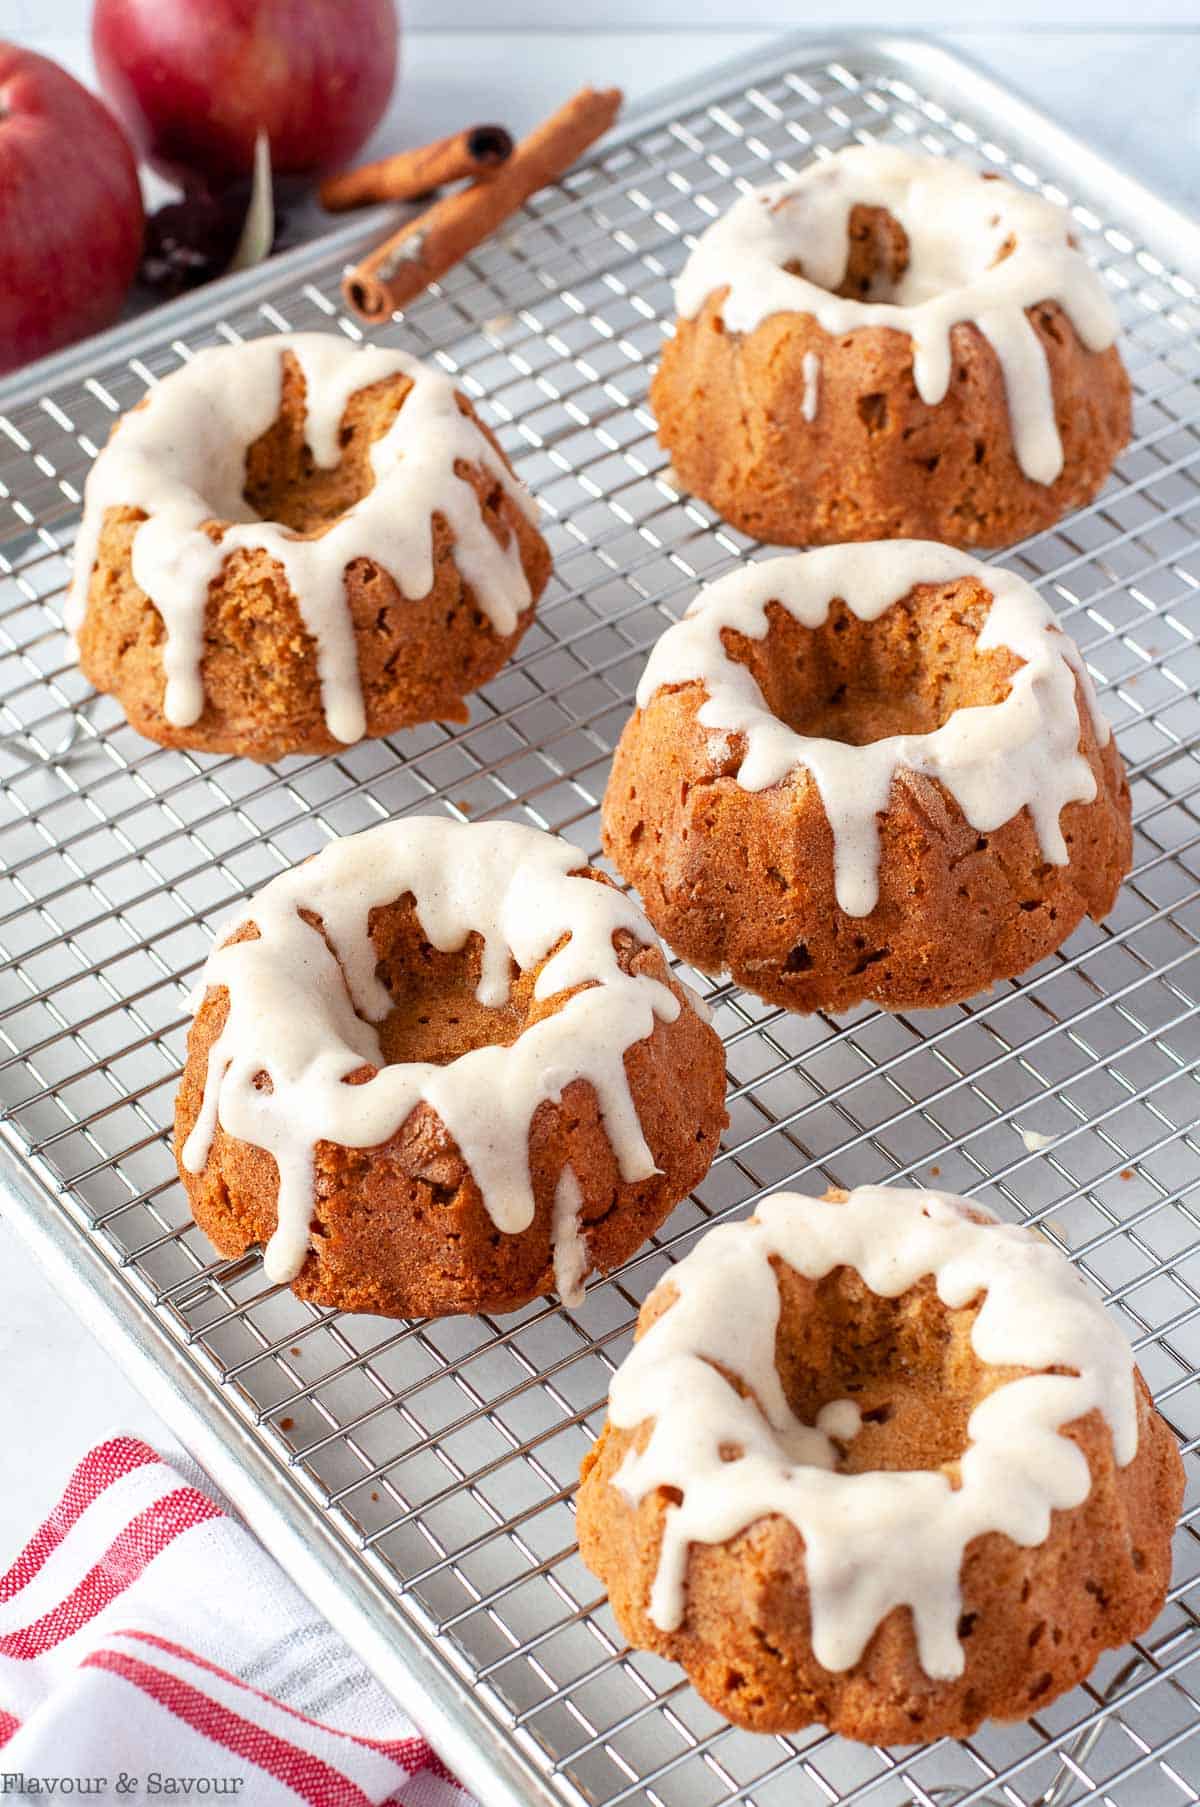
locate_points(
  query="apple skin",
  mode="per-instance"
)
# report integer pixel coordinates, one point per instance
(70, 209)
(195, 80)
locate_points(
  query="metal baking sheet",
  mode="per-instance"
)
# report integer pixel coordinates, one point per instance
(416, 1478)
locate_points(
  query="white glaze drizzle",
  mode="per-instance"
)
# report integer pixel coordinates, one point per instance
(878, 1539)
(957, 225)
(568, 1240)
(810, 367)
(304, 1009)
(840, 1420)
(181, 460)
(1020, 753)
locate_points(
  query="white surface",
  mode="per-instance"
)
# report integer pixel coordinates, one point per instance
(69, 17)
(1134, 93)
(58, 1393)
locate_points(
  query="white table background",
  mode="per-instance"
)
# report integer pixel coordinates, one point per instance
(1134, 92)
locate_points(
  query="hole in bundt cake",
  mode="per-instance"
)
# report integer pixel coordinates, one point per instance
(284, 482)
(859, 681)
(892, 261)
(435, 1014)
(877, 256)
(906, 1363)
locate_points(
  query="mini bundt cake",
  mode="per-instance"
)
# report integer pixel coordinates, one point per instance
(881, 1463)
(868, 772)
(443, 1068)
(892, 346)
(295, 542)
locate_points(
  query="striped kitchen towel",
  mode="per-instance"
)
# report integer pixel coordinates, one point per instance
(150, 1650)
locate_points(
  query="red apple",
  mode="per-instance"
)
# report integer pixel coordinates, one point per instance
(70, 209)
(195, 80)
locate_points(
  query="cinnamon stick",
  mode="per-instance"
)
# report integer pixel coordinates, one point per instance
(428, 246)
(479, 152)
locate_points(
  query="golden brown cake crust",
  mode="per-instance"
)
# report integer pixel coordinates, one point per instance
(402, 1229)
(877, 462)
(1034, 1621)
(743, 881)
(418, 657)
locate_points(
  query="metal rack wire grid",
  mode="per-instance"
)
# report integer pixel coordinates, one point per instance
(445, 1453)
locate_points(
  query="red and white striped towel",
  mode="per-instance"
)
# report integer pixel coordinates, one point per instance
(145, 1634)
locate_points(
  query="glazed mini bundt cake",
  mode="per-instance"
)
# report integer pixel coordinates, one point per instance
(881, 1463)
(892, 346)
(868, 772)
(295, 542)
(441, 1068)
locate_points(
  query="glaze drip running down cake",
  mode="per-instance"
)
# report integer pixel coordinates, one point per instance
(892, 345)
(870, 770)
(402, 568)
(844, 1424)
(364, 1078)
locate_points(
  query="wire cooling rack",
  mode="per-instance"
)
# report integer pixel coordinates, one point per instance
(417, 1478)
